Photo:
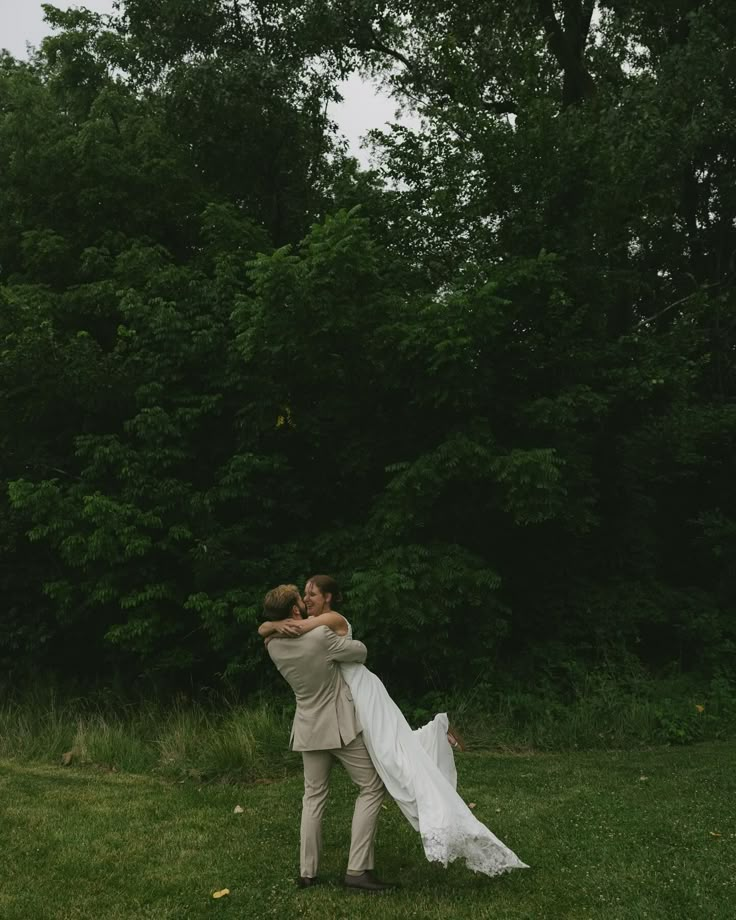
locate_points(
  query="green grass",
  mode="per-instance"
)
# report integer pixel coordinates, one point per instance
(186, 739)
(216, 738)
(610, 835)
(601, 709)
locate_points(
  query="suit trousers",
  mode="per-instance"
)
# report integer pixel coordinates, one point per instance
(317, 766)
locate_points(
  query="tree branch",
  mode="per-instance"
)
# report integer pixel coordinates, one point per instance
(650, 319)
(500, 107)
(238, 13)
(588, 10)
(568, 46)
(577, 18)
(377, 45)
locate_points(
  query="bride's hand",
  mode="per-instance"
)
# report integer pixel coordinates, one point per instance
(293, 628)
(288, 628)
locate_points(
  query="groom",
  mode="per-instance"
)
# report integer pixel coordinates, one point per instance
(325, 729)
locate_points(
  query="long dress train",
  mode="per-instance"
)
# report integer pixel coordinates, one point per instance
(418, 770)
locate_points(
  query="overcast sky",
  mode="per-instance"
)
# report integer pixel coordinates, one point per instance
(21, 22)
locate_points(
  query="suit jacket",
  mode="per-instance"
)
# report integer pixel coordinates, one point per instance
(325, 717)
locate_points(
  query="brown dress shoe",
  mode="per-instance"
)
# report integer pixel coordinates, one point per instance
(304, 881)
(367, 882)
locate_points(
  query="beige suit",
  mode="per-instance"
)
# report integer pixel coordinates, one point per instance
(325, 729)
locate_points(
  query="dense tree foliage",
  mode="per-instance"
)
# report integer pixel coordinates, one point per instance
(490, 385)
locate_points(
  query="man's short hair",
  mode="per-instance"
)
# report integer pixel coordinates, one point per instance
(279, 602)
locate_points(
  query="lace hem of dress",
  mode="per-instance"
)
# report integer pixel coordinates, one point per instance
(480, 853)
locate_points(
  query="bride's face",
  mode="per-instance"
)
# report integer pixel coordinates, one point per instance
(314, 600)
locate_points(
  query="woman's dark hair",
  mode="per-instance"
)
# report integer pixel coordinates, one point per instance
(327, 585)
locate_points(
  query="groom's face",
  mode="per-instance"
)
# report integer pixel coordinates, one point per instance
(300, 611)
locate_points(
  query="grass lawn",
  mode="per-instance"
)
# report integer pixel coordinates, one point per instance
(607, 835)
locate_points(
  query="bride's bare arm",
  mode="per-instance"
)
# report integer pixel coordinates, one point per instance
(333, 620)
(292, 628)
(279, 628)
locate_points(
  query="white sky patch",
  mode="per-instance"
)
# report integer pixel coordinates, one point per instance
(21, 21)
(365, 106)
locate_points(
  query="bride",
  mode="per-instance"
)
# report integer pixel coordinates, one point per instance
(417, 767)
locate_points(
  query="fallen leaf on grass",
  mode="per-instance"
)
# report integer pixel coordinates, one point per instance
(263, 782)
(471, 804)
(643, 779)
(715, 834)
(238, 810)
(221, 894)
(699, 708)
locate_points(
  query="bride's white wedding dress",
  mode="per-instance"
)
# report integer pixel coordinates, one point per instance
(418, 770)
